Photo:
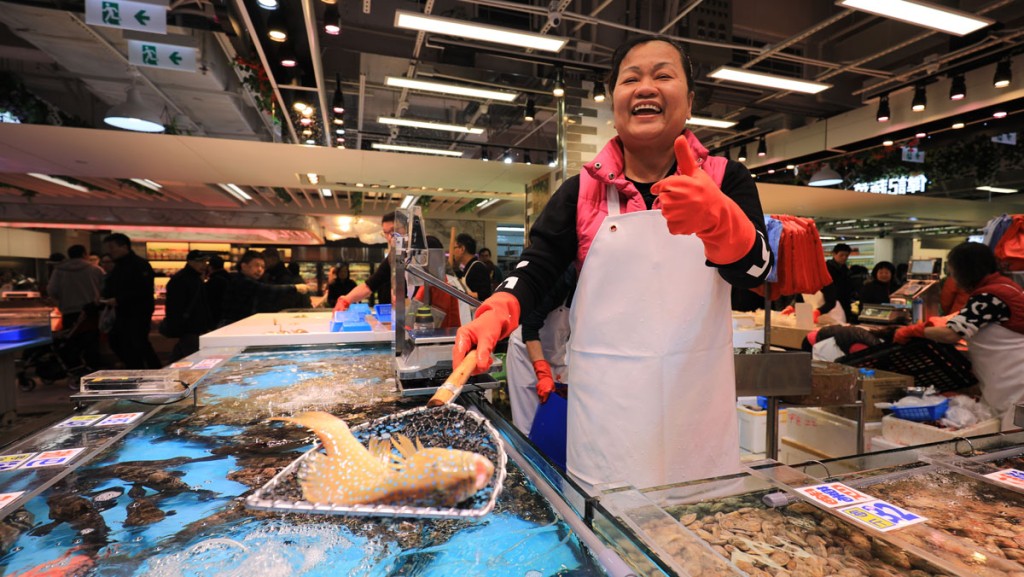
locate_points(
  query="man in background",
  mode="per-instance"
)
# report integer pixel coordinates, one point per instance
(129, 289)
(246, 292)
(842, 284)
(216, 285)
(496, 276)
(473, 274)
(188, 309)
(75, 284)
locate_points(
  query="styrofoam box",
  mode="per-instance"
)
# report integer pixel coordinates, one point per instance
(825, 433)
(907, 432)
(882, 444)
(753, 428)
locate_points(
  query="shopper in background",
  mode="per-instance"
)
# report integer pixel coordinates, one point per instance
(473, 275)
(339, 283)
(992, 323)
(94, 259)
(380, 281)
(842, 285)
(246, 294)
(952, 298)
(106, 263)
(881, 285)
(901, 273)
(496, 276)
(187, 313)
(216, 286)
(653, 396)
(277, 273)
(75, 284)
(128, 288)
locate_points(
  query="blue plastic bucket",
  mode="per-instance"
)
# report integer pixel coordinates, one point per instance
(548, 430)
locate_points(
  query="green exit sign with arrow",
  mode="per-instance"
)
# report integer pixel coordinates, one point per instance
(126, 15)
(157, 55)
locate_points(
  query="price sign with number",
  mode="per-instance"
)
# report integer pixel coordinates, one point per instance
(835, 495)
(8, 462)
(8, 498)
(52, 458)
(79, 421)
(1011, 477)
(118, 419)
(882, 516)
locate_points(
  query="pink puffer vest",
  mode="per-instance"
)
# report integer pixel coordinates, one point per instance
(607, 168)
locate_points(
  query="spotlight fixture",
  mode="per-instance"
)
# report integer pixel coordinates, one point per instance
(958, 89)
(332, 20)
(887, 142)
(598, 91)
(306, 121)
(762, 147)
(958, 125)
(508, 157)
(299, 105)
(999, 114)
(883, 109)
(484, 154)
(267, 4)
(531, 110)
(527, 159)
(825, 177)
(551, 160)
(134, 114)
(277, 28)
(920, 135)
(1003, 74)
(743, 154)
(920, 101)
(339, 98)
(559, 89)
(339, 120)
(288, 59)
(307, 132)
(495, 34)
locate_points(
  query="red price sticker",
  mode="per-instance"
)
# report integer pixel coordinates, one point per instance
(8, 498)
(1011, 477)
(881, 516)
(835, 495)
(51, 458)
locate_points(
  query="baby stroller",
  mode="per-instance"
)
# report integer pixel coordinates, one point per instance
(62, 358)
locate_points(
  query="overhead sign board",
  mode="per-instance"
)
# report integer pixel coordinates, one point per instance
(126, 15)
(157, 55)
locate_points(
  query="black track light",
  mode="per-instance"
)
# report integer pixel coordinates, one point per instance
(920, 101)
(958, 89)
(1004, 75)
(559, 89)
(743, 154)
(883, 109)
(277, 27)
(598, 91)
(762, 147)
(531, 110)
(551, 160)
(338, 104)
(485, 155)
(526, 158)
(332, 20)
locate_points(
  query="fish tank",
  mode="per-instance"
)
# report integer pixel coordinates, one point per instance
(162, 493)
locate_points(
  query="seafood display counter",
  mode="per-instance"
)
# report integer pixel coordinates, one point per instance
(123, 488)
(953, 508)
(284, 329)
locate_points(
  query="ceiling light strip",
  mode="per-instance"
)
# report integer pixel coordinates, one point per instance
(923, 14)
(431, 125)
(235, 191)
(486, 33)
(710, 122)
(147, 183)
(60, 181)
(453, 89)
(767, 80)
(416, 149)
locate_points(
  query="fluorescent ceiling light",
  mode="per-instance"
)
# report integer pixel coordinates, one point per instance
(767, 80)
(922, 14)
(408, 201)
(235, 191)
(313, 177)
(147, 183)
(417, 149)
(452, 27)
(431, 125)
(489, 203)
(453, 89)
(712, 122)
(327, 192)
(518, 229)
(997, 189)
(60, 181)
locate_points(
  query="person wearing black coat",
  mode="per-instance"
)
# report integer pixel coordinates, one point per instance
(881, 285)
(188, 310)
(129, 289)
(216, 285)
(245, 291)
(341, 284)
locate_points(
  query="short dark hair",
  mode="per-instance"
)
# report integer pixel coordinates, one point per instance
(971, 262)
(271, 253)
(388, 217)
(120, 239)
(625, 47)
(883, 265)
(216, 263)
(484, 249)
(467, 242)
(76, 251)
(249, 256)
(841, 247)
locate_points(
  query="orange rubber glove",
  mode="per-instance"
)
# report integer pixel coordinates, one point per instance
(904, 334)
(787, 311)
(342, 304)
(545, 382)
(496, 318)
(692, 204)
(815, 316)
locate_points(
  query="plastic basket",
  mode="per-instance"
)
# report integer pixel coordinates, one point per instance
(931, 364)
(921, 414)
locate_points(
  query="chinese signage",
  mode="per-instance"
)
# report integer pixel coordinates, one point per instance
(882, 516)
(835, 495)
(896, 185)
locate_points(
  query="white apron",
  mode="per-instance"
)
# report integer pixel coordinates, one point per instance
(997, 358)
(522, 380)
(653, 393)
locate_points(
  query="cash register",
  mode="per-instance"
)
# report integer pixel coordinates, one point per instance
(922, 285)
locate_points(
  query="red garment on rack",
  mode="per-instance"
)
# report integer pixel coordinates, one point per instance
(1010, 249)
(801, 260)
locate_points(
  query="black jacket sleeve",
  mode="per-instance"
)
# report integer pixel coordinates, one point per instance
(380, 277)
(562, 291)
(753, 268)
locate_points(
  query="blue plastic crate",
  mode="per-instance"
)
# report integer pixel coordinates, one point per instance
(921, 414)
(383, 313)
(353, 326)
(19, 333)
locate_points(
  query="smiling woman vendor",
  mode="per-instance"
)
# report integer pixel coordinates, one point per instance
(657, 228)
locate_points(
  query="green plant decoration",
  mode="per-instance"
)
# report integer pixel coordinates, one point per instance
(283, 195)
(356, 202)
(424, 202)
(255, 79)
(18, 101)
(470, 206)
(25, 192)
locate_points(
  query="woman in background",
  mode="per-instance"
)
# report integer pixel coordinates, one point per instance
(882, 284)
